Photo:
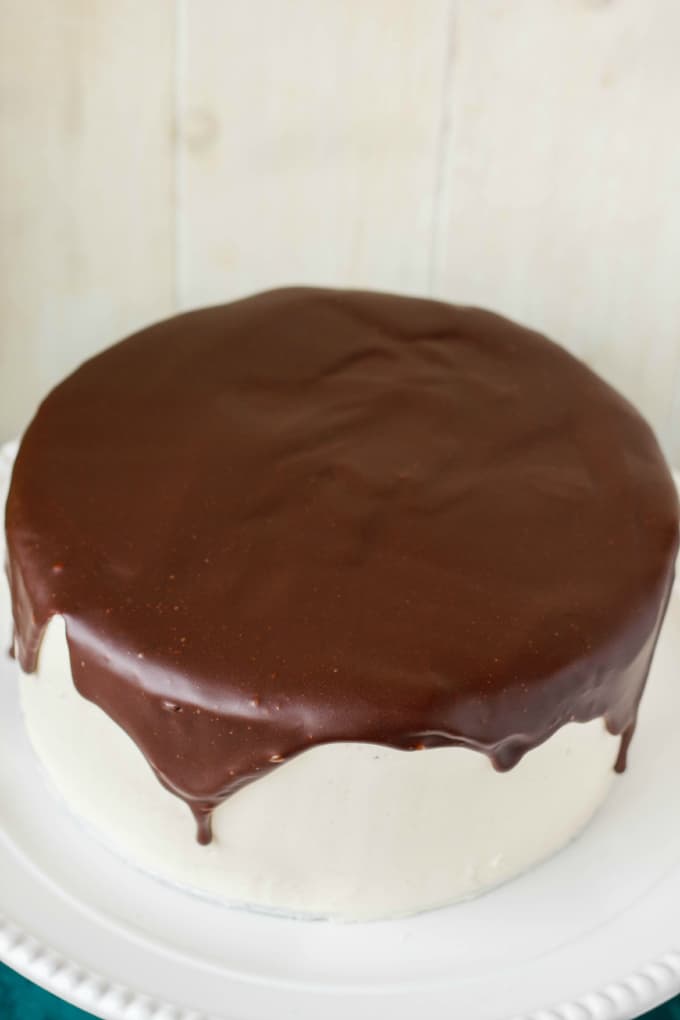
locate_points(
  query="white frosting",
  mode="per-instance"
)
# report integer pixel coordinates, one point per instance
(353, 831)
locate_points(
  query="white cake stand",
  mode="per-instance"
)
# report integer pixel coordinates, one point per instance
(594, 934)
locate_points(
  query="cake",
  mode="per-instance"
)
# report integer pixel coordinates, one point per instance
(369, 584)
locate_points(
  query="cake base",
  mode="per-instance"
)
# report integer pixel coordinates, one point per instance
(346, 830)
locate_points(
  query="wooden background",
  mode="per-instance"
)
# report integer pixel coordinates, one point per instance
(522, 154)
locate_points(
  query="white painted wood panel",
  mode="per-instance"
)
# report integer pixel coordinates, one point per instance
(561, 199)
(86, 184)
(309, 143)
(523, 154)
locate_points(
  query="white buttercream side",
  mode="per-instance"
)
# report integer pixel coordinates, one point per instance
(347, 830)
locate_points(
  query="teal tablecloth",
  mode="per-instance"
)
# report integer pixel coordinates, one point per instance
(20, 1000)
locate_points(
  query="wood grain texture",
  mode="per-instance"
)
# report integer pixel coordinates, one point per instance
(309, 143)
(522, 154)
(561, 198)
(86, 184)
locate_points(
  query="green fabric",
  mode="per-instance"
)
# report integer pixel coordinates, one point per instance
(20, 1000)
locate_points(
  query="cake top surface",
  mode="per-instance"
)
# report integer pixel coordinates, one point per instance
(317, 515)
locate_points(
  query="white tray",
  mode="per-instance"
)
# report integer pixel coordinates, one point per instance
(594, 934)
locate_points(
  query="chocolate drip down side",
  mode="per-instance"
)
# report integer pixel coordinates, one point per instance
(611, 693)
(315, 516)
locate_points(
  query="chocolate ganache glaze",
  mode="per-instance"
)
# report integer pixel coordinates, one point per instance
(316, 515)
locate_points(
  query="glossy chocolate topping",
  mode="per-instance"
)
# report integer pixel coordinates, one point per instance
(316, 515)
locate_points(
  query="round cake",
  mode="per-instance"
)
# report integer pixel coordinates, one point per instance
(281, 542)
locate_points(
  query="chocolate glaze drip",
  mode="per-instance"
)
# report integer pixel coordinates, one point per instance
(313, 516)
